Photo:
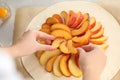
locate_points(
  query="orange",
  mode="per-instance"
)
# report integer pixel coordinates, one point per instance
(3, 12)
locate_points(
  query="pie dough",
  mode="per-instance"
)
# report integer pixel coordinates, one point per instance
(112, 29)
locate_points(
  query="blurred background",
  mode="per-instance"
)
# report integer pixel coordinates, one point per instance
(6, 30)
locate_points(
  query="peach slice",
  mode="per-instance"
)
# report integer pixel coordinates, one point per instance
(77, 59)
(98, 34)
(47, 55)
(58, 17)
(100, 40)
(64, 65)
(87, 36)
(71, 48)
(96, 28)
(61, 33)
(52, 20)
(67, 21)
(72, 18)
(81, 43)
(60, 26)
(45, 25)
(42, 41)
(78, 39)
(78, 44)
(49, 64)
(63, 48)
(74, 69)
(84, 41)
(56, 43)
(78, 20)
(64, 15)
(85, 18)
(69, 17)
(92, 22)
(81, 30)
(56, 67)
(38, 54)
(104, 46)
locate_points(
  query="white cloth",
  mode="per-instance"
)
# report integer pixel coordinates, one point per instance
(7, 67)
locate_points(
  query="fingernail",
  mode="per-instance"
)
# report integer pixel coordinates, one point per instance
(53, 37)
(52, 48)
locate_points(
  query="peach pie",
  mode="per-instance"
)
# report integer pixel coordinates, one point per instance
(72, 30)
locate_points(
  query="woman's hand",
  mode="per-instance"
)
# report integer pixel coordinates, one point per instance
(29, 44)
(92, 61)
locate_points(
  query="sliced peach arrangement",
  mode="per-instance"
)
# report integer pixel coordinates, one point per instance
(56, 67)
(72, 30)
(64, 65)
(74, 69)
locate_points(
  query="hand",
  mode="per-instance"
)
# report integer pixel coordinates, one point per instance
(92, 61)
(29, 44)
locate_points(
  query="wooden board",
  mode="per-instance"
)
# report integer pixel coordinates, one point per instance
(111, 29)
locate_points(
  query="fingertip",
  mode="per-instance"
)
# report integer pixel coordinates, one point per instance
(81, 53)
(52, 37)
(88, 48)
(48, 41)
(46, 47)
(80, 50)
(46, 36)
(51, 48)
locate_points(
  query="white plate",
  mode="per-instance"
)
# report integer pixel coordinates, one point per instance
(112, 29)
